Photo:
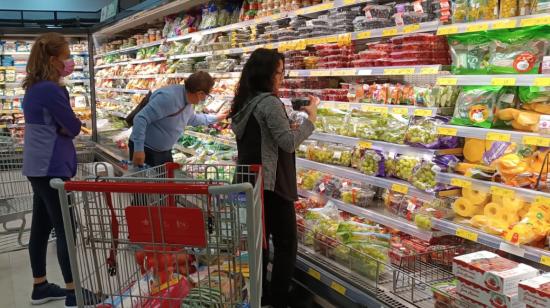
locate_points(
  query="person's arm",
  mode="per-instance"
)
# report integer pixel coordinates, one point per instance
(202, 119)
(279, 126)
(158, 108)
(60, 109)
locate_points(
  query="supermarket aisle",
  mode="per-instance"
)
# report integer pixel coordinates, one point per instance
(15, 279)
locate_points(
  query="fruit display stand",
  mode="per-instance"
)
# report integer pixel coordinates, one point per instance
(391, 126)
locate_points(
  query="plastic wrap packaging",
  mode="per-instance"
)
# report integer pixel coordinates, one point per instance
(357, 195)
(331, 186)
(370, 162)
(378, 11)
(307, 179)
(422, 133)
(519, 51)
(401, 166)
(469, 53)
(535, 99)
(475, 106)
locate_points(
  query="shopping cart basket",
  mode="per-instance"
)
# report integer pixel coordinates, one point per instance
(177, 238)
(16, 191)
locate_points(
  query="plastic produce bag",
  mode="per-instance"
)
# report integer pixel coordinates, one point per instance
(422, 133)
(469, 53)
(371, 162)
(475, 106)
(518, 51)
(535, 99)
(357, 195)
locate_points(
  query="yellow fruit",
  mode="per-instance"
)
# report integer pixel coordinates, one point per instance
(475, 197)
(466, 208)
(473, 150)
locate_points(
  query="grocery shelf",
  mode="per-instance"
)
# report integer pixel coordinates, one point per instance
(528, 195)
(369, 71)
(156, 59)
(194, 55)
(382, 108)
(10, 84)
(383, 146)
(129, 49)
(10, 111)
(209, 137)
(377, 215)
(174, 75)
(541, 80)
(495, 134)
(274, 17)
(180, 148)
(113, 100)
(503, 23)
(73, 81)
(134, 91)
(15, 53)
(531, 253)
(354, 175)
(11, 96)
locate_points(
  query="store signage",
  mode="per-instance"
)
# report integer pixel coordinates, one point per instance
(108, 11)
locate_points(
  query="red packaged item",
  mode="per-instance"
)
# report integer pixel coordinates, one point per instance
(383, 62)
(415, 38)
(411, 54)
(535, 292)
(372, 54)
(362, 63)
(492, 271)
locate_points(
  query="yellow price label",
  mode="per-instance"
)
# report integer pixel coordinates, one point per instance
(389, 32)
(362, 35)
(443, 81)
(534, 140)
(300, 44)
(377, 109)
(247, 49)
(338, 288)
(317, 73)
(400, 110)
(504, 24)
(447, 30)
(542, 82)
(423, 112)
(492, 136)
(344, 39)
(293, 74)
(364, 144)
(343, 106)
(326, 6)
(542, 200)
(469, 235)
(461, 183)
(344, 72)
(398, 71)
(503, 192)
(349, 2)
(477, 27)
(313, 273)
(269, 46)
(447, 131)
(503, 81)
(332, 39)
(275, 16)
(429, 70)
(534, 21)
(411, 28)
(400, 188)
(545, 260)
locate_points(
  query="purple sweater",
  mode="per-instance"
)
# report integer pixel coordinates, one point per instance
(50, 127)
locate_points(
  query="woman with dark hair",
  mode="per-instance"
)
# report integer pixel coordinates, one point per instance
(264, 136)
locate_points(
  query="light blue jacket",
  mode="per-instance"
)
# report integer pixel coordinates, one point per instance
(156, 129)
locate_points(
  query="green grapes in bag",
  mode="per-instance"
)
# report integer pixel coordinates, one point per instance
(475, 106)
(518, 51)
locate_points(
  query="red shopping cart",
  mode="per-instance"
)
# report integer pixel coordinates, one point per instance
(170, 236)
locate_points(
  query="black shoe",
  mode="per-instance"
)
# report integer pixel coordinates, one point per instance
(90, 299)
(46, 292)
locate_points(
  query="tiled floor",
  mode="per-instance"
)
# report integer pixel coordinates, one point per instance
(16, 279)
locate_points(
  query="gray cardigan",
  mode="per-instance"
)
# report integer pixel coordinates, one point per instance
(275, 129)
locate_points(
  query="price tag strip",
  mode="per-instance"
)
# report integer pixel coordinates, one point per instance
(466, 234)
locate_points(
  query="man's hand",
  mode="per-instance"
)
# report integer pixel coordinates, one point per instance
(139, 158)
(222, 115)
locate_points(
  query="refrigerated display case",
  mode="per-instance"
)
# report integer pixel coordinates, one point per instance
(393, 145)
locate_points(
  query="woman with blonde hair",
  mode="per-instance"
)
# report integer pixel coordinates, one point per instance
(49, 152)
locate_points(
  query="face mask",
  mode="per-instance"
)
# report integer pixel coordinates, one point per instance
(68, 67)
